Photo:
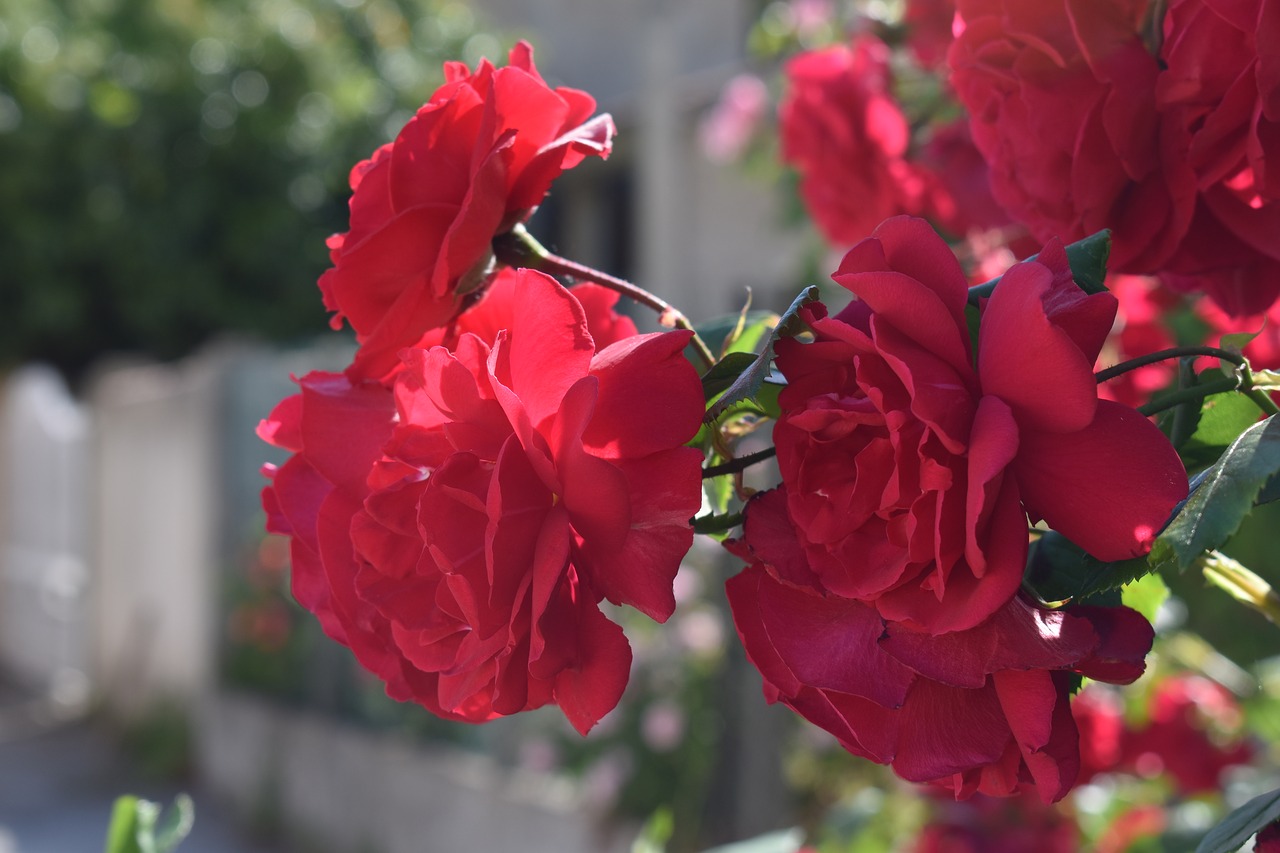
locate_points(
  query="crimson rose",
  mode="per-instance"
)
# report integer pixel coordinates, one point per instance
(910, 471)
(1221, 84)
(459, 531)
(843, 132)
(981, 710)
(1061, 101)
(475, 161)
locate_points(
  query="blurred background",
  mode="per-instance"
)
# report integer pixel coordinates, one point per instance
(169, 171)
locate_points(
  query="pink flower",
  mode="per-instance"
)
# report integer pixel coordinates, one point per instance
(475, 161)
(981, 710)
(727, 129)
(910, 472)
(459, 531)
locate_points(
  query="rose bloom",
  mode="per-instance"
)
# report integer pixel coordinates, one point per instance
(1221, 81)
(982, 710)
(459, 530)
(910, 472)
(1192, 733)
(1061, 100)
(475, 161)
(843, 132)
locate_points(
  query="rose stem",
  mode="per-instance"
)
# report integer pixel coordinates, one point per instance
(518, 247)
(733, 466)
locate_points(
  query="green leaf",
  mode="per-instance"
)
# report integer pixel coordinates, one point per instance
(1223, 417)
(655, 833)
(1145, 595)
(723, 373)
(749, 381)
(1242, 824)
(1088, 260)
(122, 833)
(1223, 498)
(136, 825)
(723, 335)
(176, 825)
(1060, 570)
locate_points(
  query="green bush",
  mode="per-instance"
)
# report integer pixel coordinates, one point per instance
(172, 167)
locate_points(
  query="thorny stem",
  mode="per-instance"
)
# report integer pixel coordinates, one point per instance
(733, 466)
(716, 523)
(518, 247)
(1173, 352)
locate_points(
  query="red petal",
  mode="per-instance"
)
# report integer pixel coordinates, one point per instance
(1021, 354)
(1109, 487)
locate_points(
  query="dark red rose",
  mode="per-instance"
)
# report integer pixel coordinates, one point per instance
(844, 133)
(981, 710)
(475, 161)
(459, 531)
(911, 472)
(1061, 100)
(1140, 329)
(1221, 83)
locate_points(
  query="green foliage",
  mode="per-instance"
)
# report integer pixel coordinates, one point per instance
(1242, 824)
(1223, 498)
(137, 825)
(175, 167)
(748, 383)
(1218, 421)
(1060, 570)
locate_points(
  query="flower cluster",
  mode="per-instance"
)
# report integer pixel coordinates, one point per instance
(1103, 114)
(503, 453)
(882, 601)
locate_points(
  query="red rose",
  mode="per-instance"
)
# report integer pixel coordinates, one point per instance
(1099, 716)
(982, 710)
(929, 30)
(1061, 101)
(1221, 83)
(474, 161)
(958, 196)
(910, 473)
(1192, 733)
(844, 133)
(459, 532)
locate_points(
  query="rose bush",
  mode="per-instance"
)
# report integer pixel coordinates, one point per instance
(910, 471)
(459, 530)
(981, 710)
(475, 161)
